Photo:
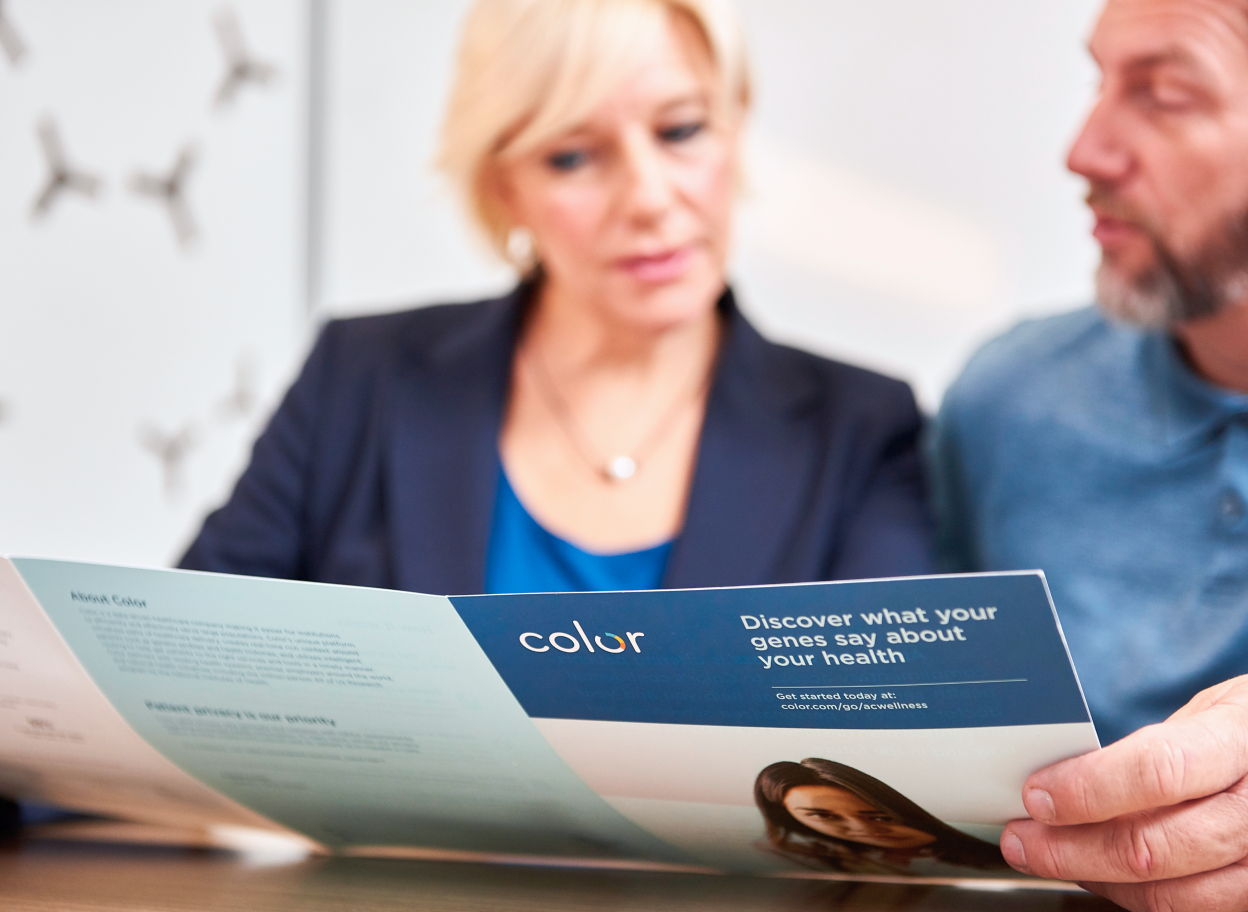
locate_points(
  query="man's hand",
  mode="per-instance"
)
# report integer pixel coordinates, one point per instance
(1157, 821)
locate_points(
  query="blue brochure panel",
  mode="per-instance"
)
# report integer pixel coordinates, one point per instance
(922, 653)
(881, 727)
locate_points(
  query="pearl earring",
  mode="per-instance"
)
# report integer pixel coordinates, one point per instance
(521, 249)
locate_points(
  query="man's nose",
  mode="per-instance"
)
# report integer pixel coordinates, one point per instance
(1100, 152)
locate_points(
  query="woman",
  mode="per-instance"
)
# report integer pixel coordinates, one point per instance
(614, 422)
(831, 816)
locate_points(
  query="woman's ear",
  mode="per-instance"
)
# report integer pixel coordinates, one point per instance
(522, 249)
(519, 242)
(496, 182)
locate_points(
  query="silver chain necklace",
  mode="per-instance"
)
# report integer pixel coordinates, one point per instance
(613, 469)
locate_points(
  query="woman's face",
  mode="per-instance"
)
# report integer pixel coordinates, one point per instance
(631, 211)
(836, 812)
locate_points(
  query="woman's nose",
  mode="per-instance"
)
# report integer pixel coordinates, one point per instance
(853, 828)
(647, 188)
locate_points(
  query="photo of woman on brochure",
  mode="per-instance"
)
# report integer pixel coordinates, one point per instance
(829, 816)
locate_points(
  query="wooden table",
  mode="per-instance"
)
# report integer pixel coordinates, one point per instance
(43, 875)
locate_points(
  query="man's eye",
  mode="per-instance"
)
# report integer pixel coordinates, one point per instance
(1172, 97)
(1162, 96)
(568, 160)
(681, 132)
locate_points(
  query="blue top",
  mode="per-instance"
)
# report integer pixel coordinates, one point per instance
(525, 557)
(1091, 451)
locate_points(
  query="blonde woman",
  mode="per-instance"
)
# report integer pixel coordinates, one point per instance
(614, 422)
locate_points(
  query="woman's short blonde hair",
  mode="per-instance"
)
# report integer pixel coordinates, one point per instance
(529, 70)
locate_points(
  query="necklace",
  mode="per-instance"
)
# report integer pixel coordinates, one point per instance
(615, 469)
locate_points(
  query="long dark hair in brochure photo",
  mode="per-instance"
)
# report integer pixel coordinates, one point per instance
(832, 817)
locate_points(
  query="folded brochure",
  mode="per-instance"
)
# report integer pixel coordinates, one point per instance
(878, 728)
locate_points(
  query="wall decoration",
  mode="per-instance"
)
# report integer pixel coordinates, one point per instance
(10, 40)
(244, 397)
(171, 451)
(136, 375)
(61, 176)
(240, 67)
(171, 190)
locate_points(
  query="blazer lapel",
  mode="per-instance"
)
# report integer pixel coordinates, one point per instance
(442, 455)
(441, 468)
(754, 466)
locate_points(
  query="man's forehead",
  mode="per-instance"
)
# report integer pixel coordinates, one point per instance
(1195, 33)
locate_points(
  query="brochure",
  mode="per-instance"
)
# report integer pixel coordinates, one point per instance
(879, 728)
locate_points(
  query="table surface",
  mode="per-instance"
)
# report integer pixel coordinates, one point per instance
(42, 875)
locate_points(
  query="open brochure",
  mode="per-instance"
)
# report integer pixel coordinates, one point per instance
(881, 728)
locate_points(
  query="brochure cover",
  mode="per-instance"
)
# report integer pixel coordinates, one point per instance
(878, 728)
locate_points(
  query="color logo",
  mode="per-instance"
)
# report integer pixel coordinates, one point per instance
(566, 642)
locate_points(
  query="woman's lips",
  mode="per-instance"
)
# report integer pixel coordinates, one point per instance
(658, 268)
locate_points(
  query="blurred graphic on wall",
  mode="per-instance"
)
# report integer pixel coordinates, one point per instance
(241, 68)
(169, 190)
(152, 208)
(62, 177)
(10, 38)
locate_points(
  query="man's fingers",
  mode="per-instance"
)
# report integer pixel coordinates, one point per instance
(1224, 890)
(1233, 690)
(1172, 842)
(1183, 758)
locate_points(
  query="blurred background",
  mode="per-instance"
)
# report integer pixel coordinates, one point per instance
(188, 190)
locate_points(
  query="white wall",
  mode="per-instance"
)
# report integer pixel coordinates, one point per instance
(908, 195)
(110, 332)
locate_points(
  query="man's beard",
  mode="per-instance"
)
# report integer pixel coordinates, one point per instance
(1175, 289)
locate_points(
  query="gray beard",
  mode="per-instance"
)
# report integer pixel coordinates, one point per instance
(1152, 301)
(1177, 291)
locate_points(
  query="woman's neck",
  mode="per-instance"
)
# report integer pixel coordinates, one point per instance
(583, 345)
(595, 402)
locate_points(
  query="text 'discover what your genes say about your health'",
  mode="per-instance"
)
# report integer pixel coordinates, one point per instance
(672, 705)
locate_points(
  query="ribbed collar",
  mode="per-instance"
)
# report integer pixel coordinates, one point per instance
(1190, 410)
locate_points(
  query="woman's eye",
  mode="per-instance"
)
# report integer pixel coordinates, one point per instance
(681, 132)
(567, 160)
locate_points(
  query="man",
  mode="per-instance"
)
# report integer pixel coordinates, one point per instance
(1110, 448)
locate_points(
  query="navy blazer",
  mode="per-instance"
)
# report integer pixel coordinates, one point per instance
(381, 466)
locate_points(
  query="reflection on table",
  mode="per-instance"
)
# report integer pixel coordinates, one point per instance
(45, 874)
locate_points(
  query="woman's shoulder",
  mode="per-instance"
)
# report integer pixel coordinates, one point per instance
(853, 380)
(414, 331)
(800, 376)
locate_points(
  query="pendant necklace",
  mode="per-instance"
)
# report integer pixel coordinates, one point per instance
(614, 469)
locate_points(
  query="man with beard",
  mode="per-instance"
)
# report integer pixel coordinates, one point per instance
(1109, 447)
